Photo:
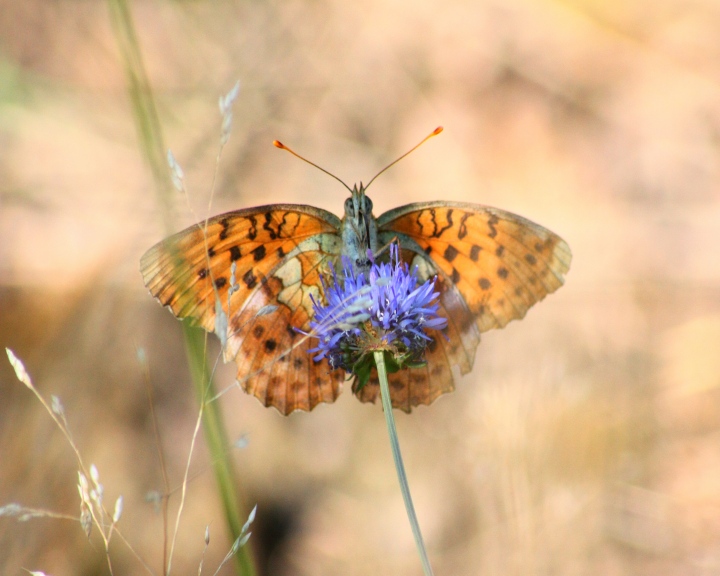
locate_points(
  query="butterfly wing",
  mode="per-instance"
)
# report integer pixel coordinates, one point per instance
(492, 266)
(249, 276)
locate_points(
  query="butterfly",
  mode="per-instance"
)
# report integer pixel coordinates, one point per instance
(251, 275)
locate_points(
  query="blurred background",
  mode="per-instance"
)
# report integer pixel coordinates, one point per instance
(587, 438)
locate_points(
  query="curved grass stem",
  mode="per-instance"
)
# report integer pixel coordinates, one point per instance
(397, 457)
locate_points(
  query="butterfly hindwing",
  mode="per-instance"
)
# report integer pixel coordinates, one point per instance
(454, 346)
(273, 359)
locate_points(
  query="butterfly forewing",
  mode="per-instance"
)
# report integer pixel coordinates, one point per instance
(279, 253)
(500, 263)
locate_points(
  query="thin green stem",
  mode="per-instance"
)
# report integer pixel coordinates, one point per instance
(154, 152)
(379, 356)
(216, 439)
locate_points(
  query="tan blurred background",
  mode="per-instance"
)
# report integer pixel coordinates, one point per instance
(587, 438)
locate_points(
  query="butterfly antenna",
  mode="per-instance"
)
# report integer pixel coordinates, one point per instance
(433, 133)
(282, 146)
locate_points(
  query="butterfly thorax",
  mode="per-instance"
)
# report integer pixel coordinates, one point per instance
(359, 230)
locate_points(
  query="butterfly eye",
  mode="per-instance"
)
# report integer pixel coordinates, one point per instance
(368, 205)
(349, 206)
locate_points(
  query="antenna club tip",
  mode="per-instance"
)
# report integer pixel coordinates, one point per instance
(437, 130)
(278, 144)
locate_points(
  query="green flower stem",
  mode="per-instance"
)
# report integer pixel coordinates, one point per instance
(154, 152)
(397, 457)
(216, 438)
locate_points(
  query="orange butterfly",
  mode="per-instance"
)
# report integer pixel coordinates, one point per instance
(262, 265)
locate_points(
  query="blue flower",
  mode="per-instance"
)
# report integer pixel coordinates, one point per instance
(386, 311)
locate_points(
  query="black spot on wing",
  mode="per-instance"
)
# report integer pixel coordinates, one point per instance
(258, 253)
(397, 385)
(250, 279)
(252, 232)
(450, 253)
(492, 222)
(225, 227)
(438, 231)
(267, 226)
(462, 229)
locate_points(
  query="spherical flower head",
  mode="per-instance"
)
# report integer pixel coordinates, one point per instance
(386, 311)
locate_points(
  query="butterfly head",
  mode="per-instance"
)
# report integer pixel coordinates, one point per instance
(359, 229)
